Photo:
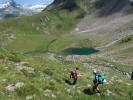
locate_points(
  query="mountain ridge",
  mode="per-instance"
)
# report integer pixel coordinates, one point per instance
(12, 9)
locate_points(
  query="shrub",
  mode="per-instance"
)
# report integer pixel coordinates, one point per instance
(27, 90)
(58, 26)
(53, 88)
(131, 95)
(14, 58)
(126, 39)
(27, 74)
(48, 72)
(2, 56)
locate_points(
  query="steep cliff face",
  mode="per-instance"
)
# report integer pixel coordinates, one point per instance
(64, 4)
(89, 5)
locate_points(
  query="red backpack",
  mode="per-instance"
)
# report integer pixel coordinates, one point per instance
(74, 74)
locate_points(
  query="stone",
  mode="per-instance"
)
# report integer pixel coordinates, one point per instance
(53, 96)
(47, 94)
(4, 80)
(119, 81)
(24, 63)
(21, 66)
(77, 29)
(89, 85)
(47, 91)
(10, 88)
(108, 93)
(19, 85)
(128, 75)
(29, 97)
(74, 87)
(30, 70)
(128, 84)
(79, 91)
(68, 90)
(98, 94)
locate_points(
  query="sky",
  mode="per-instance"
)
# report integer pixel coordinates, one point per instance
(29, 2)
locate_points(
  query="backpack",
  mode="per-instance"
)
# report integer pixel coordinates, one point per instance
(101, 78)
(74, 75)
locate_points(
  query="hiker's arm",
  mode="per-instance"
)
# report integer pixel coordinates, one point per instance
(96, 80)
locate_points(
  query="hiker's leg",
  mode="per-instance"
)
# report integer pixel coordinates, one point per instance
(97, 88)
(75, 81)
(95, 85)
(67, 81)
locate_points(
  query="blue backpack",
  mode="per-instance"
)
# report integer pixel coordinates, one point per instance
(100, 77)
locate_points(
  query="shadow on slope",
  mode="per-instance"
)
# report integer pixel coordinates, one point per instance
(111, 6)
(88, 91)
(69, 5)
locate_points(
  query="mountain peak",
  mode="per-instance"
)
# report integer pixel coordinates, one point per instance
(13, 3)
(13, 9)
(10, 3)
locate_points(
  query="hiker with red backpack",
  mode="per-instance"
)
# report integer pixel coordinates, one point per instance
(74, 76)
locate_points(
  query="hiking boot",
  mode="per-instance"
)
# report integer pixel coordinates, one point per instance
(98, 91)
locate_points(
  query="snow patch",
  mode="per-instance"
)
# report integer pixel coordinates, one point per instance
(35, 8)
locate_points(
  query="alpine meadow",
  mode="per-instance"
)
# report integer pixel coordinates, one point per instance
(39, 52)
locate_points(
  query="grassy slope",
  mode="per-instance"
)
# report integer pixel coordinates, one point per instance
(37, 32)
(48, 76)
(48, 31)
(120, 53)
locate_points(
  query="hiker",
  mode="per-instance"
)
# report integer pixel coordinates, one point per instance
(74, 76)
(132, 76)
(99, 79)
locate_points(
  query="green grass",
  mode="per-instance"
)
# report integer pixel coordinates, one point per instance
(38, 31)
(120, 52)
(49, 75)
(70, 40)
(34, 38)
(123, 67)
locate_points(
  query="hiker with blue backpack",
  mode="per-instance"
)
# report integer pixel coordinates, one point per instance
(99, 79)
